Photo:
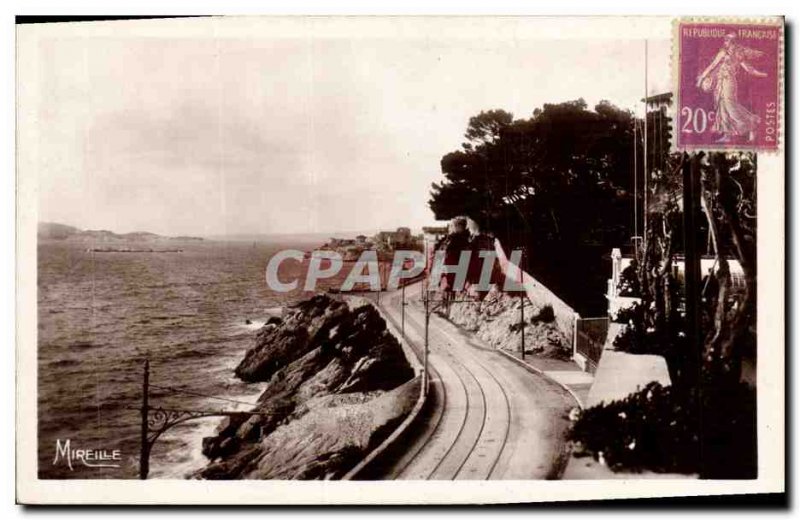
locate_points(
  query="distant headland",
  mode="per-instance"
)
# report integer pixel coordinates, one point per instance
(54, 231)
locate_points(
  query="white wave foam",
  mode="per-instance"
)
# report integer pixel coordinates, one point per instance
(253, 325)
(182, 462)
(274, 311)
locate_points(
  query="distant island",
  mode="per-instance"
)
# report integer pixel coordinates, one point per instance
(54, 231)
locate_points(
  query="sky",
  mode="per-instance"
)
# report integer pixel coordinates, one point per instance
(217, 134)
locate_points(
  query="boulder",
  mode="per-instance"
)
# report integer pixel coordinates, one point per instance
(496, 320)
(335, 433)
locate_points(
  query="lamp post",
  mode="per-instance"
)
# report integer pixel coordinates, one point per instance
(158, 419)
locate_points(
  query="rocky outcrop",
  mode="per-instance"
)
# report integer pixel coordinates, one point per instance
(338, 382)
(496, 320)
(333, 433)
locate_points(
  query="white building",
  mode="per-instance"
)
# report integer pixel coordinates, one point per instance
(619, 263)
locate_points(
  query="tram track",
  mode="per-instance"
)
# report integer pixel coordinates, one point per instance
(486, 418)
(468, 437)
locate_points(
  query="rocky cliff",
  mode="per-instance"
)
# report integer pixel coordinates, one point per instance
(337, 384)
(496, 320)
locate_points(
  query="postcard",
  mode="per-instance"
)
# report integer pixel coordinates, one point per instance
(399, 260)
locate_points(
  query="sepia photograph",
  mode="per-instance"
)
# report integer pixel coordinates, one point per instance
(380, 249)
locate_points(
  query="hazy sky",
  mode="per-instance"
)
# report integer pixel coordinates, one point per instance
(275, 135)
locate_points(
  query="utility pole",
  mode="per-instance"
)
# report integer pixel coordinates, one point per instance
(635, 184)
(522, 324)
(425, 355)
(429, 309)
(521, 309)
(144, 455)
(692, 275)
(691, 212)
(380, 282)
(644, 205)
(403, 310)
(156, 420)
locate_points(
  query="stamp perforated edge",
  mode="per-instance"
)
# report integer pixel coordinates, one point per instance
(773, 21)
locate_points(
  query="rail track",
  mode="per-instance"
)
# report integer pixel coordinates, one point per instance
(486, 417)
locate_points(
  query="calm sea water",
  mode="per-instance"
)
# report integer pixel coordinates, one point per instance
(101, 314)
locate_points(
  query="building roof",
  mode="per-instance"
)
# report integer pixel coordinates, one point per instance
(659, 99)
(434, 229)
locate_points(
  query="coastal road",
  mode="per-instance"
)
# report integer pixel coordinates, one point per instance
(486, 416)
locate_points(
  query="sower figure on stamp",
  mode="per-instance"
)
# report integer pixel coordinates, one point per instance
(732, 118)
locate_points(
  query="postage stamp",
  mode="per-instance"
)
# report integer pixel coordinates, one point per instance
(382, 260)
(728, 79)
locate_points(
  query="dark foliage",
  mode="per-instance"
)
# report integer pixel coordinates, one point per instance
(647, 430)
(629, 281)
(639, 337)
(545, 315)
(536, 183)
(633, 339)
(729, 314)
(560, 185)
(664, 430)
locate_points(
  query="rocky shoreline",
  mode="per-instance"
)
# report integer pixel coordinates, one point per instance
(338, 383)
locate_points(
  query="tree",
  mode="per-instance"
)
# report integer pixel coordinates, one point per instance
(485, 128)
(663, 326)
(707, 376)
(560, 183)
(728, 182)
(729, 202)
(536, 183)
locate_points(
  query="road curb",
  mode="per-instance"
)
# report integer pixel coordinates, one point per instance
(540, 372)
(560, 466)
(410, 418)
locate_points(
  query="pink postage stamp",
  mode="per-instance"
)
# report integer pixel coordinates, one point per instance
(728, 81)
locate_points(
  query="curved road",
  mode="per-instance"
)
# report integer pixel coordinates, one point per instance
(486, 416)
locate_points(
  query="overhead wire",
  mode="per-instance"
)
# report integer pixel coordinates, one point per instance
(199, 394)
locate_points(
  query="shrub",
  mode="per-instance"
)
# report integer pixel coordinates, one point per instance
(632, 338)
(633, 315)
(658, 429)
(638, 338)
(646, 430)
(545, 315)
(629, 281)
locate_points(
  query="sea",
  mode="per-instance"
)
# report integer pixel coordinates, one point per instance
(192, 313)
